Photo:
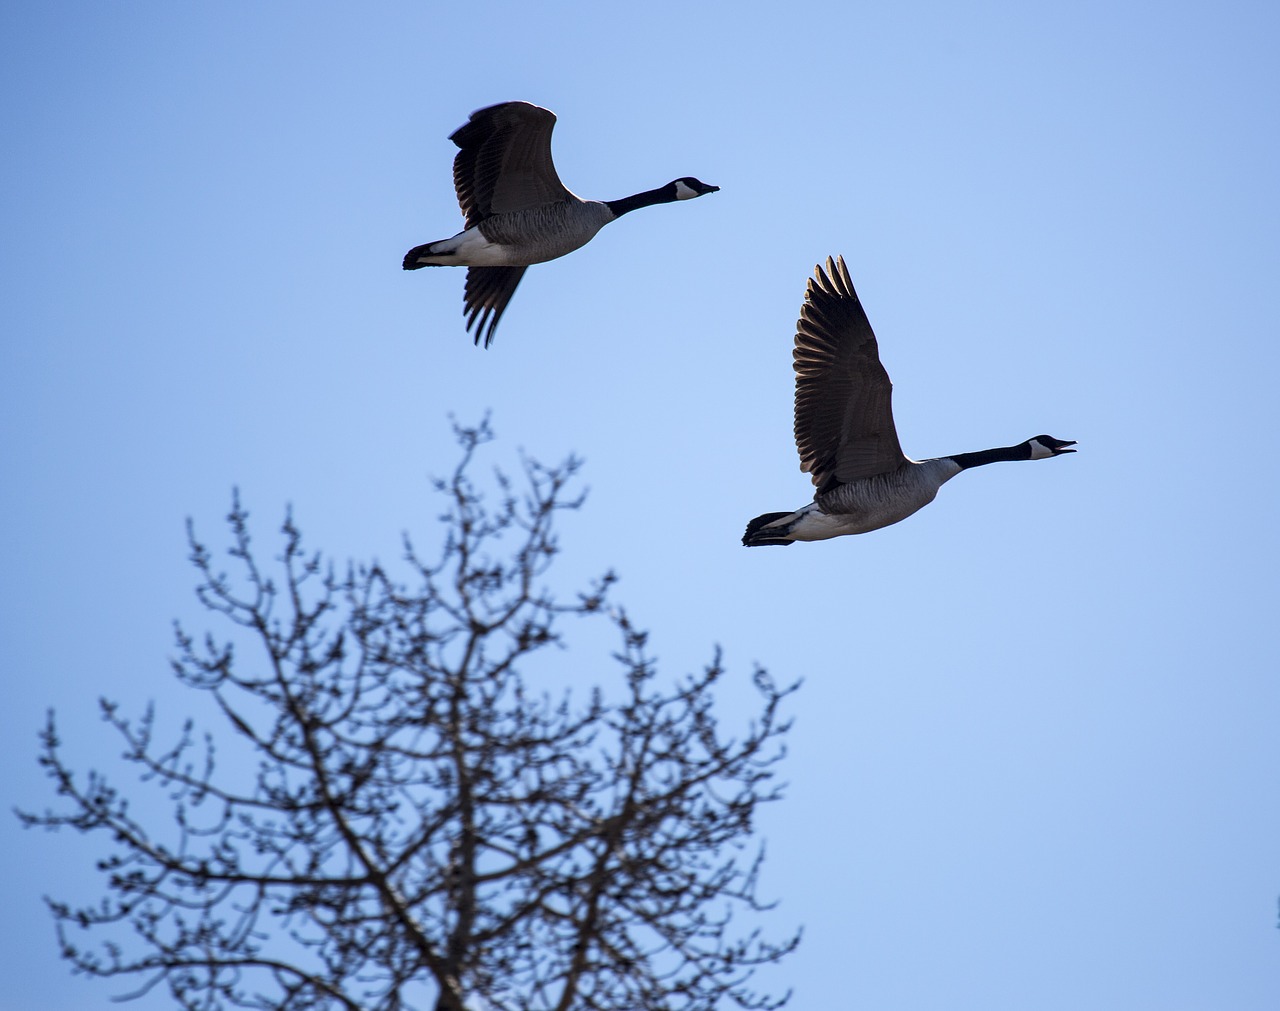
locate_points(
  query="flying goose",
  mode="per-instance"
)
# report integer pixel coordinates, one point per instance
(517, 210)
(844, 428)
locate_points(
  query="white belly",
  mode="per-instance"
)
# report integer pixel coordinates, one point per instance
(474, 250)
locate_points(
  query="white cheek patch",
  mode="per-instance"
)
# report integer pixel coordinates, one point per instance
(1039, 451)
(685, 192)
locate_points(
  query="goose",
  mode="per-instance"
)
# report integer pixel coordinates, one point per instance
(517, 210)
(844, 428)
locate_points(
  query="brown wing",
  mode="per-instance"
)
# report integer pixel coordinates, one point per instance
(487, 293)
(505, 161)
(844, 412)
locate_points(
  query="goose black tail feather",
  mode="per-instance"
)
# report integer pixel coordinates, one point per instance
(753, 538)
(411, 257)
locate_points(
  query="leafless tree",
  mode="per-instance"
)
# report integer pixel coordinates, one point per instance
(429, 815)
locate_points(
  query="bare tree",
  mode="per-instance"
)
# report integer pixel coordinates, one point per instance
(421, 825)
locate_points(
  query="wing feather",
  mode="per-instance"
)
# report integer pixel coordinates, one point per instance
(844, 414)
(504, 161)
(487, 292)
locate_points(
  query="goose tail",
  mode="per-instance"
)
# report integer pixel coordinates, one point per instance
(427, 255)
(759, 532)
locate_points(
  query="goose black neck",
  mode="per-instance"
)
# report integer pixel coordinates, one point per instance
(662, 195)
(986, 456)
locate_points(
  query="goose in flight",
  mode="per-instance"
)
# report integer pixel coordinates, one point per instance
(517, 210)
(844, 428)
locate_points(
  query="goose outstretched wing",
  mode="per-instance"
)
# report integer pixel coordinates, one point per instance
(504, 162)
(844, 412)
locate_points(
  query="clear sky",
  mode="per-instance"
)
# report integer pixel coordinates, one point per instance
(1036, 758)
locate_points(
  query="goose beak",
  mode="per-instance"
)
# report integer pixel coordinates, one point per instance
(1063, 447)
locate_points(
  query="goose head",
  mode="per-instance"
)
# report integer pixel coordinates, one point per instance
(688, 187)
(1044, 446)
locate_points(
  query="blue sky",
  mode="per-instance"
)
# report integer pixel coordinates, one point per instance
(1035, 759)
